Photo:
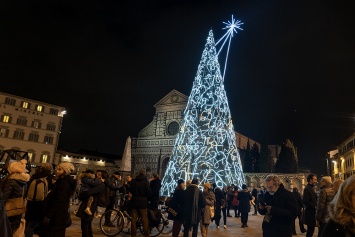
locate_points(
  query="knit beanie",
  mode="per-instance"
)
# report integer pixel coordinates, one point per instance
(18, 167)
(180, 181)
(67, 167)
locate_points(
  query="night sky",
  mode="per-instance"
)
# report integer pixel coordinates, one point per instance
(290, 74)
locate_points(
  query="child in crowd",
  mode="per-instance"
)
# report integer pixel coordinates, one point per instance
(88, 181)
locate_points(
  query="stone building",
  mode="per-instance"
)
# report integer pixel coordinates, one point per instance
(93, 160)
(31, 126)
(340, 162)
(152, 149)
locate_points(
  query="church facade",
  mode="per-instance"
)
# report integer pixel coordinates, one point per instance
(152, 148)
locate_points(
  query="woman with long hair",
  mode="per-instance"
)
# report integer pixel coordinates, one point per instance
(342, 211)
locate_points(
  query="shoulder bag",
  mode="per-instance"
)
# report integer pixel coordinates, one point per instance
(15, 206)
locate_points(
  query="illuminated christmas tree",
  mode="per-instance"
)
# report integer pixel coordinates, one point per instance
(205, 147)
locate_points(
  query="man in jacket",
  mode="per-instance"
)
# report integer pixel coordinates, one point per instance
(254, 193)
(155, 185)
(299, 202)
(279, 208)
(193, 202)
(141, 194)
(326, 195)
(177, 206)
(310, 201)
(244, 198)
(114, 186)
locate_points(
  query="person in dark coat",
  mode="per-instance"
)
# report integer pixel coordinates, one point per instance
(279, 208)
(176, 204)
(94, 192)
(193, 203)
(14, 186)
(155, 186)
(220, 202)
(141, 194)
(254, 193)
(229, 197)
(342, 211)
(310, 202)
(114, 187)
(34, 215)
(56, 215)
(244, 198)
(299, 202)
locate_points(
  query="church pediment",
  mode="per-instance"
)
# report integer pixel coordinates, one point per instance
(173, 98)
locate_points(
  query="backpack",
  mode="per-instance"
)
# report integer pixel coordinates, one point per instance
(104, 198)
(38, 190)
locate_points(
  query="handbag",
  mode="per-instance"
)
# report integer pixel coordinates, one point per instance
(15, 206)
(212, 211)
(20, 231)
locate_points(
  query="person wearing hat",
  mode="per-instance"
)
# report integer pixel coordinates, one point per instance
(176, 205)
(33, 215)
(13, 186)
(326, 195)
(56, 216)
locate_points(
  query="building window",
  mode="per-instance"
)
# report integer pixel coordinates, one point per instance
(40, 108)
(44, 158)
(36, 124)
(4, 132)
(33, 137)
(6, 118)
(31, 156)
(10, 101)
(51, 126)
(25, 105)
(19, 134)
(48, 139)
(53, 111)
(173, 128)
(21, 121)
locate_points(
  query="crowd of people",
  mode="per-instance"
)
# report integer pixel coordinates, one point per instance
(49, 193)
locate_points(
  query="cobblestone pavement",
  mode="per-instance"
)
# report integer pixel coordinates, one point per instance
(233, 228)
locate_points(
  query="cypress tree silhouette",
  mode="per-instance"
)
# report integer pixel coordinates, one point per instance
(205, 147)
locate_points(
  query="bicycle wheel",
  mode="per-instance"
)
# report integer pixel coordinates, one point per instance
(154, 230)
(113, 225)
(168, 224)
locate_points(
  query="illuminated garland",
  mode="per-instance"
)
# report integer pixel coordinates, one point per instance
(205, 147)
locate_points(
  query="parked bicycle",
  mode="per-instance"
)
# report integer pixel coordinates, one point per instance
(168, 224)
(120, 219)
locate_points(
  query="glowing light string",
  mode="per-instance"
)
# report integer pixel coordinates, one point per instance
(232, 27)
(205, 146)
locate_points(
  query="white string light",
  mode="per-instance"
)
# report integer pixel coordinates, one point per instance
(205, 147)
